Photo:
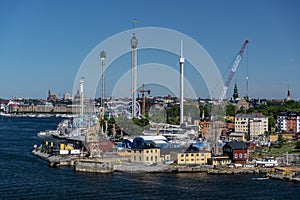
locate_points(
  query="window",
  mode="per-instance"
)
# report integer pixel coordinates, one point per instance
(192, 154)
(134, 158)
(197, 154)
(151, 158)
(140, 158)
(235, 155)
(147, 158)
(147, 151)
(182, 155)
(140, 151)
(151, 151)
(202, 154)
(155, 150)
(241, 155)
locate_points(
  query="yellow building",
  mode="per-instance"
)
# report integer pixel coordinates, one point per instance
(273, 137)
(229, 118)
(145, 155)
(193, 156)
(196, 158)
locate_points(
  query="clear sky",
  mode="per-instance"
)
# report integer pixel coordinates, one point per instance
(43, 43)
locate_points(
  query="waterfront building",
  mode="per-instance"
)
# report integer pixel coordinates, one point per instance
(60, 108)
(193, 156)
(47, 107)
(254, 125)
(171, 154)
(288, 121)
(236, 151)
(27, 108)
(219, 160)
(144, 155)
(4, 106)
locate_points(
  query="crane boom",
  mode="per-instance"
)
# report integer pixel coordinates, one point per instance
(143, 90)
(232, 72)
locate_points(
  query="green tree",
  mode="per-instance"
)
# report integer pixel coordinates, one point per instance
(297, 145)
(230, 110)
(271, 122)
(173, 114)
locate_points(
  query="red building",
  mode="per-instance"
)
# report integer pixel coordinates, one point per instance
(291, 123)
(236, 151)
(106, 145)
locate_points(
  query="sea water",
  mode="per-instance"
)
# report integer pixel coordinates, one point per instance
(25, 176)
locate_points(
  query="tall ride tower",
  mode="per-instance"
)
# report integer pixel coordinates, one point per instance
(133, 43)
(81, 96)
(102, 58)
(181, 62)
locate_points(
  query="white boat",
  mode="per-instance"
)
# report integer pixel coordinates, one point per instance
(267, 162)
(42, 134)
(260, 178)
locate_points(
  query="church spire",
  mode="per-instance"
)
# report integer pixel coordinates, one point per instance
(288, 94)
(235, 92)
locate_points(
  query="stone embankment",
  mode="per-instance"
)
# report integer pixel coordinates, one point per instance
(112, 163)
(93, 166)
(284, 177)
(56, 160)
(240, 171)
(141, 167)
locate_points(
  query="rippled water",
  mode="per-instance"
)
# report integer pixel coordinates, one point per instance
(24, 176)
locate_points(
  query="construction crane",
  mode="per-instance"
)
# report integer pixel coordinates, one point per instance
(232, 72)
(142, 90)
(219, 106)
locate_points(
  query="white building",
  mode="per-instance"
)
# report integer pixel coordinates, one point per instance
(288, 121)
(253, 124)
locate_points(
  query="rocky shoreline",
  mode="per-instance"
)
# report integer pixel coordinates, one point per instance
(56, 160)
(283, 177)
(111, 165)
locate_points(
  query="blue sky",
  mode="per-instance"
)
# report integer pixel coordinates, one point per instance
(43, 43)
